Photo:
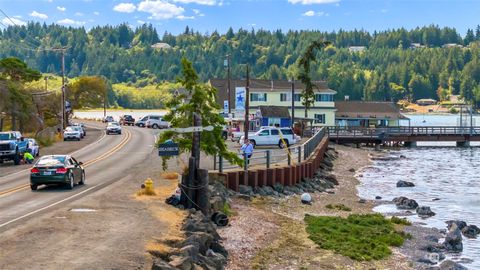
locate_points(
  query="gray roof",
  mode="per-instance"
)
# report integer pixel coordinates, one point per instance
(367, 110)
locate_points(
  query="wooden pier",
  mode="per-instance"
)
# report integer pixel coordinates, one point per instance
(407, 136)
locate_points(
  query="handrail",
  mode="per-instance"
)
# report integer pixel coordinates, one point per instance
(401, 131)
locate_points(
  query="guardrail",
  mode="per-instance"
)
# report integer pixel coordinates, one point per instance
(260, 158)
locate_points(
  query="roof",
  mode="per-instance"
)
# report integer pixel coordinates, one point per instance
(367, 110)
(266, 86)
(274, 111)
(426, 100)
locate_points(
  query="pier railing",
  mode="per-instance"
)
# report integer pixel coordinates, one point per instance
(385, 132)
(265, 158)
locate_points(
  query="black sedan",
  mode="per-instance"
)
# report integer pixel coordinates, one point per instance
(57, 170)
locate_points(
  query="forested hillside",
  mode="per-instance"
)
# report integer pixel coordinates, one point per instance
(389, 69)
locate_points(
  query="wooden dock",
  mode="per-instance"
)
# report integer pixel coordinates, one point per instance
(407, 136)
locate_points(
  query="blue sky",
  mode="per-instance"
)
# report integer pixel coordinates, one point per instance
(209, 15)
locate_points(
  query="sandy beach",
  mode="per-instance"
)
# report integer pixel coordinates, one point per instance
(269, 233)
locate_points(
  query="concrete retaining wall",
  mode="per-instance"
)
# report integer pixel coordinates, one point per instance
(286, 175)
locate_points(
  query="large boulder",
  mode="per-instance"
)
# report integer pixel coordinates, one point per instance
(331, 178)
(425, 211)
(451, 265)
(182, 263)
(278, 187)
(470, 231)
(453, 240)
(161, 265)
(216, 203)
(245, 190)
(460, 224)
(405, 203)
(402, 183)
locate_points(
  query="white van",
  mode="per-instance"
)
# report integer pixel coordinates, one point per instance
(155, 121)
(142, 121)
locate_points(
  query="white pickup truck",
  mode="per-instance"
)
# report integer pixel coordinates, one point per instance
(283, 137)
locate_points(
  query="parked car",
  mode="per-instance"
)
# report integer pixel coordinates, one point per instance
(108, 119)
(33, 146)
(155, 121)
(82, 125)
(58, 170)
(70, 133)
(79, 129)
(127, 120)
(12, 146)
(283, 137)
(113, 127)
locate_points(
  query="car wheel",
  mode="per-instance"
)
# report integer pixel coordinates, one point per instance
(120, 133)
(78, 139)
(71, 182)
(16, 159)
(155, 126)
(38, 153)
(82, 181)
(282, 145)
(107, 133)
(33, 187)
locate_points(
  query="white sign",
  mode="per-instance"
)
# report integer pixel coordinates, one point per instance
(240, 98)
(190, 129)
(225, 106)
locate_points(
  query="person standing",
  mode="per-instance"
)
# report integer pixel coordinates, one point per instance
(247, 149)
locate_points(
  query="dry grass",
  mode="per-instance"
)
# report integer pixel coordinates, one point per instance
(169, 175)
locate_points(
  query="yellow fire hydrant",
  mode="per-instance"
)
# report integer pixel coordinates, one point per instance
(149, 190)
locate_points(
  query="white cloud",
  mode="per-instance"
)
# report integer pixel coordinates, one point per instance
(125, 7)
(70, 22)
(79, 14)
(198, 2)
(309, 13)
(160, 10)
(384, 10)
(38, 15)
(140, 22)
(183, 17)
(312, 13)
(13, 21)
(311, 2)
(198, 12)
(96, 13)
(62, 9)
(18, 16)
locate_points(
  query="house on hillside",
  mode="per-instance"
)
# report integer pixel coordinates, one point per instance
(275, 116)
(417, 46)
(357, 48)
(161, 46)
(367, 114)
(452, 45)
(426, 101)
(276, 93)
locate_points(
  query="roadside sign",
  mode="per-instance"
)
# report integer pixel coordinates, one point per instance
(225, 106)
(168, 149)
(190, 129)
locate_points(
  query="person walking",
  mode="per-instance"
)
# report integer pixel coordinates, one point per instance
(247, 149)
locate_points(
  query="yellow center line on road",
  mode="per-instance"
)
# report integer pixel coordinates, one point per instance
(86, 164)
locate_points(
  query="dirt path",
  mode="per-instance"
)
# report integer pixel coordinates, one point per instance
(61, 147)
(269, 233)
(116, 235)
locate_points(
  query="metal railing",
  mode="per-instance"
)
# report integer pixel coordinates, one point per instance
(265, 158)
(385, 132)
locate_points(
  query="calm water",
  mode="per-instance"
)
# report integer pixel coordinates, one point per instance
(439, 170)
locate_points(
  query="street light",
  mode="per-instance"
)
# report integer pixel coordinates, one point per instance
(226, 63)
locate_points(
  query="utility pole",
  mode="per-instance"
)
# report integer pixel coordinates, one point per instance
(247, 104)
(229, 91)
(64, 124)
(293, 103)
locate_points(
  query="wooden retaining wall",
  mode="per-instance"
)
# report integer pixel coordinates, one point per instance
(285, 175)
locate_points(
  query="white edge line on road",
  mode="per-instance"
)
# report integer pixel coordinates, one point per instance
(72, 153)
(46, 207)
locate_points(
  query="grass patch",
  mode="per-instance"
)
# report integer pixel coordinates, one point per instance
(400, 221)
(359, 237)
(340, 207)
(227, 210)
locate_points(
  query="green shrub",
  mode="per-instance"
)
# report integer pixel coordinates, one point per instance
(401, 221)
(340, 207)
(227, 210)
(360, 237)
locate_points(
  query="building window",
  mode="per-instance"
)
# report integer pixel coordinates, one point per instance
(319, 118)
(258, 97)
(285, 97)
(297, 97)
(323, 98)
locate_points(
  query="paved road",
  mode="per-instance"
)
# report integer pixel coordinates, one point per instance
(105, 161)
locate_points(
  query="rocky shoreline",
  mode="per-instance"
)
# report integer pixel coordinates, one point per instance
(428, 248)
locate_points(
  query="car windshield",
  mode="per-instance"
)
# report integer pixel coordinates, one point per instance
(6, 136)
(69, 129)
(51, 161)
(113, 124)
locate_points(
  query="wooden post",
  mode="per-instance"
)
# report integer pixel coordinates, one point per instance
(202, 196)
